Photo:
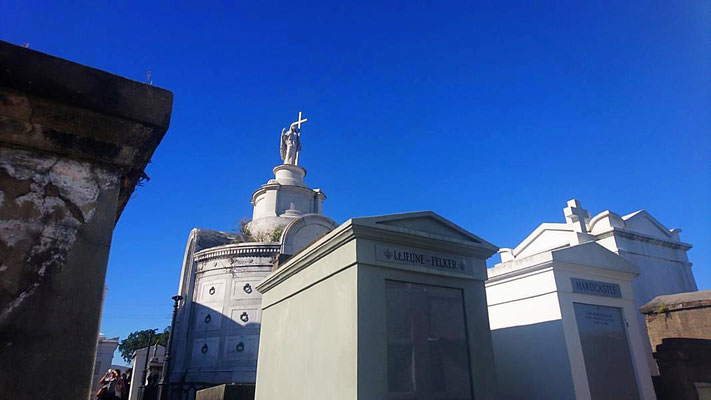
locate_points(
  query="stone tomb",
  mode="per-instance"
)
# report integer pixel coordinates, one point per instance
(638, 237)
(564, 326)
(389, 307)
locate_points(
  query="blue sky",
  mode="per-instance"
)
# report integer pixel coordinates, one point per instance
(492, 114)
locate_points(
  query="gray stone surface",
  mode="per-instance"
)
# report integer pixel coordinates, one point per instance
(73, 145)
(226, 392)
(334, 315)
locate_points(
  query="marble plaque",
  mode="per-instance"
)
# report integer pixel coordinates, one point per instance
(596, 288)
(422, 258)
(205, 351)
(247, 316)
(212, 291)
(207, 319)
(428, 356)
(244, 289)
(608, 361)
(243, 347)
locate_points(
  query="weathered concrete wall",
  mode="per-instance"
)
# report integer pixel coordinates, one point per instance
(74, 142)
(44, 200)
(56, 221)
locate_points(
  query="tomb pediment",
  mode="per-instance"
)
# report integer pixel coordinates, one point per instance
(424, 223)
(593, 254)
(644, 223)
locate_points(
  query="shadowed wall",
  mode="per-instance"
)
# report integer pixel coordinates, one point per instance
(74, 142)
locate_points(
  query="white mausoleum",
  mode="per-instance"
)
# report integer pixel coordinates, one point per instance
(564, 304)
(218, 324)
(664, 267)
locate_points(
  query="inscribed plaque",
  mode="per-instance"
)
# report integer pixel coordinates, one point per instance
(606, 352)
(428, 355)
(596, 288)
(421, 258)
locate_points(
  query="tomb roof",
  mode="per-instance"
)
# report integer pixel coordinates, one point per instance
(678, 301)
(580, 227)
(423, 223)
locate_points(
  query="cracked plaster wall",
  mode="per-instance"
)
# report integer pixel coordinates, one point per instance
(74, 144)
(44, 200)
(56, 222)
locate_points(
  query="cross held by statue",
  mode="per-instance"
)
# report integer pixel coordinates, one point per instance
(298, 122)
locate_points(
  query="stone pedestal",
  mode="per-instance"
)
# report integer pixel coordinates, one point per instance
(287, 174)
(282, 200)
(74, 142)
(386, 307)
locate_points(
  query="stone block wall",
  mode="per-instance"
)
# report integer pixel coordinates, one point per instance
(680, 315)
(687, 323)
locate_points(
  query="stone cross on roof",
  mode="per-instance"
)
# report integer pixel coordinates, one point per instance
(576, 215)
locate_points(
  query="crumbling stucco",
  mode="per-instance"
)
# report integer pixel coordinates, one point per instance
(74, 143)
(44, 199)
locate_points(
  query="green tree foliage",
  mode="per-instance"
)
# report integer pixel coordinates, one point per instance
(139, 339)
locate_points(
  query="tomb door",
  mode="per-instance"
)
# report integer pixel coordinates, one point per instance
(428, 355)
(606, 352)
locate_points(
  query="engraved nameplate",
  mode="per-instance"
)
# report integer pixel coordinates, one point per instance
(595, 288)
(422, 258)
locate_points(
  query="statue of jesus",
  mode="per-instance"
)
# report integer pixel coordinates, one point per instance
(291, 142)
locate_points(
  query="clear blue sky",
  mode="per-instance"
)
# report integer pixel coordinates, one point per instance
(491, 114)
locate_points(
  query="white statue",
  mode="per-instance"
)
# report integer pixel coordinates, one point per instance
(291, 142)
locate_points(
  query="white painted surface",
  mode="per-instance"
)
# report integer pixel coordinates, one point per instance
(659, 253)
(524, 312)
(324, 322)
(531, 306)
(282, 200)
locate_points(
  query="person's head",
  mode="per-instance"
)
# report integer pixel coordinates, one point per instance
(117, 372)
(129, 372)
